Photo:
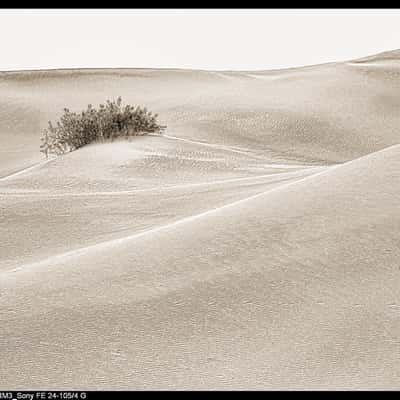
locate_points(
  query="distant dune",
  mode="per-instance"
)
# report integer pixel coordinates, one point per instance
(255, 246)
(334, 112)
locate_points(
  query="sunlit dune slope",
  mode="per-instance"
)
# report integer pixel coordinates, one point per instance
(105, 191)
(142, 162)
(327, 113)
(296, 287)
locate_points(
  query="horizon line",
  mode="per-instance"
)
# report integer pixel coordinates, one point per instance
(55, 69)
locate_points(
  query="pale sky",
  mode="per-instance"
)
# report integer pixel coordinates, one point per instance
(199, 39)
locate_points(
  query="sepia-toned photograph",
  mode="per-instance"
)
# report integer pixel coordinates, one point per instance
(199, 200)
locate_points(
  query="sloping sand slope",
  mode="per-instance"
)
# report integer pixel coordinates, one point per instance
(103, 191)
(296, 287)
(334, 112)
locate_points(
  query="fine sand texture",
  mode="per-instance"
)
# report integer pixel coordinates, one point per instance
(254, 245)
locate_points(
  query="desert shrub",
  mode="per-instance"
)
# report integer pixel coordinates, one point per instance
(109, 121)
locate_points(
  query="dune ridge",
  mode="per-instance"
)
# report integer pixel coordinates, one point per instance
(329, 113)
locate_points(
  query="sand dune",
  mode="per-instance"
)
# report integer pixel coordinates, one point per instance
(254, 246)
(276, 291)
(105, 190)
(334, 112)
